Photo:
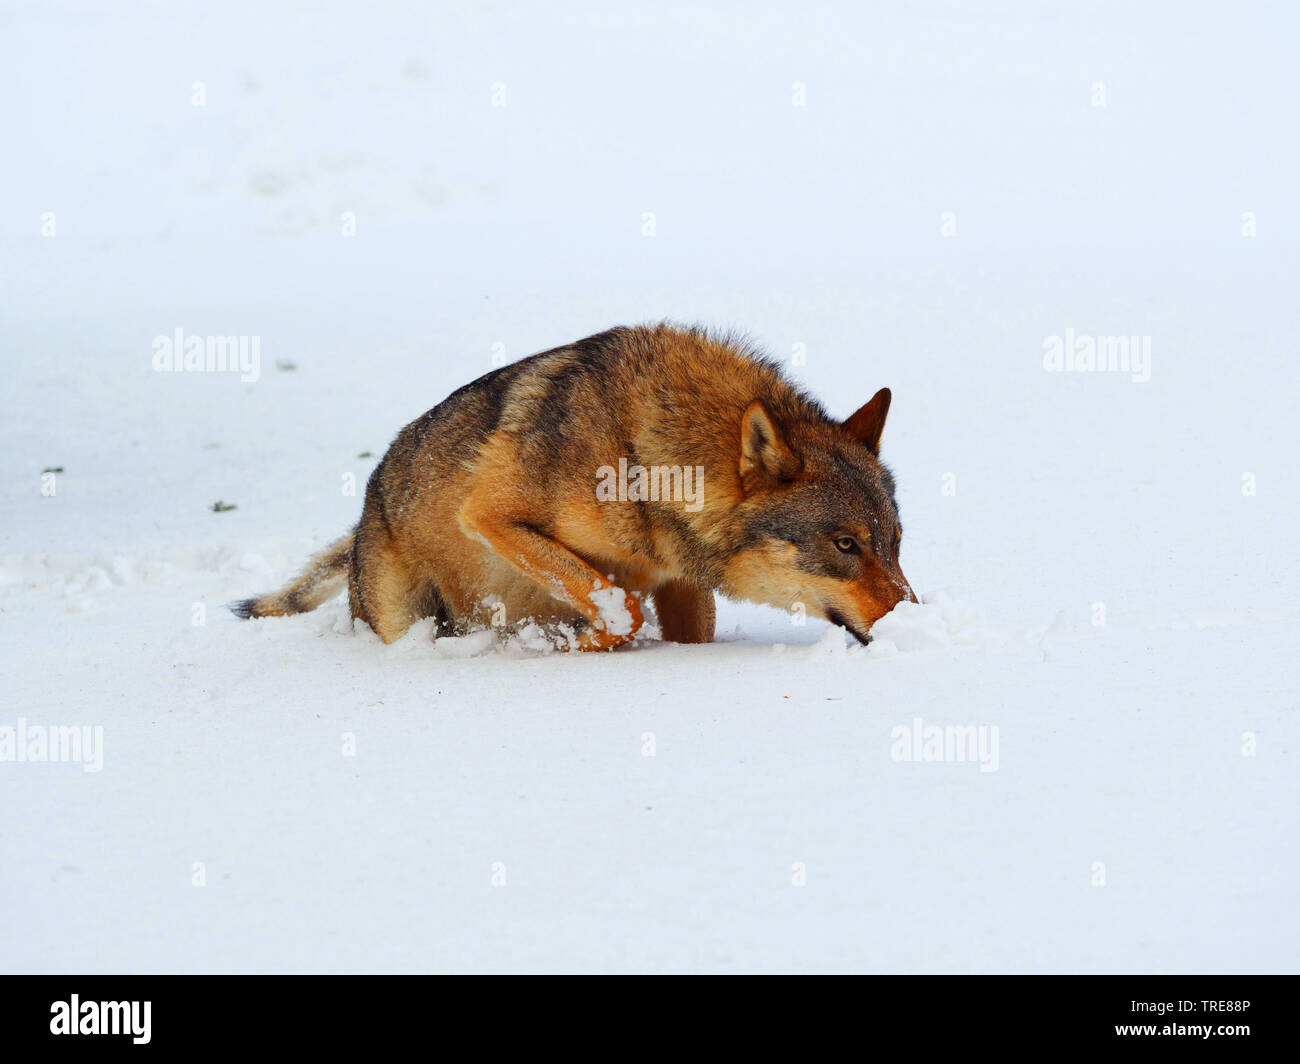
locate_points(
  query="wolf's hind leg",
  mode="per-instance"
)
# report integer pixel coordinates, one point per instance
(686, 612)
(615, 615)
(381, 589)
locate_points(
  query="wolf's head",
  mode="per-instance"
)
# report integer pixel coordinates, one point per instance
(819, 520)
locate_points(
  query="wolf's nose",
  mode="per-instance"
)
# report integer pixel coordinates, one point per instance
(906, 587)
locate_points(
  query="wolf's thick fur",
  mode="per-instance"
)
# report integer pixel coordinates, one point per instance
(489, 501)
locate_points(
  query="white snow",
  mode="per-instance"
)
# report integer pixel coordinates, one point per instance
(611, 608)
(935, 624)
(1108, 566)
(830, 646)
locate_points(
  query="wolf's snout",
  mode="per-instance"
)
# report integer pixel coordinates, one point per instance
(872, 602)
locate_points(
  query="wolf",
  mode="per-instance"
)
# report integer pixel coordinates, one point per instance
(495, 506)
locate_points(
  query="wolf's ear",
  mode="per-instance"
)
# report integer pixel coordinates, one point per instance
(868, 422)
(765, 458)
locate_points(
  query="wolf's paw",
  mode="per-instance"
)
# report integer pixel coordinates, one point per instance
(617, 622)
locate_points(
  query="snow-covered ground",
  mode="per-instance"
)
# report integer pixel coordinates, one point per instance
(918, 196)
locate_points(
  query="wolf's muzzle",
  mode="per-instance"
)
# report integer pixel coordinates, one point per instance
(837, 618)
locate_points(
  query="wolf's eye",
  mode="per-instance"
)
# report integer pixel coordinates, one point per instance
(847, 544)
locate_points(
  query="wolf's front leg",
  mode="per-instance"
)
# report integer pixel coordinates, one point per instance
(614, 615)
(686, 612)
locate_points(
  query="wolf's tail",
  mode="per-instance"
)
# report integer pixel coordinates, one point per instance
(323, 578)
